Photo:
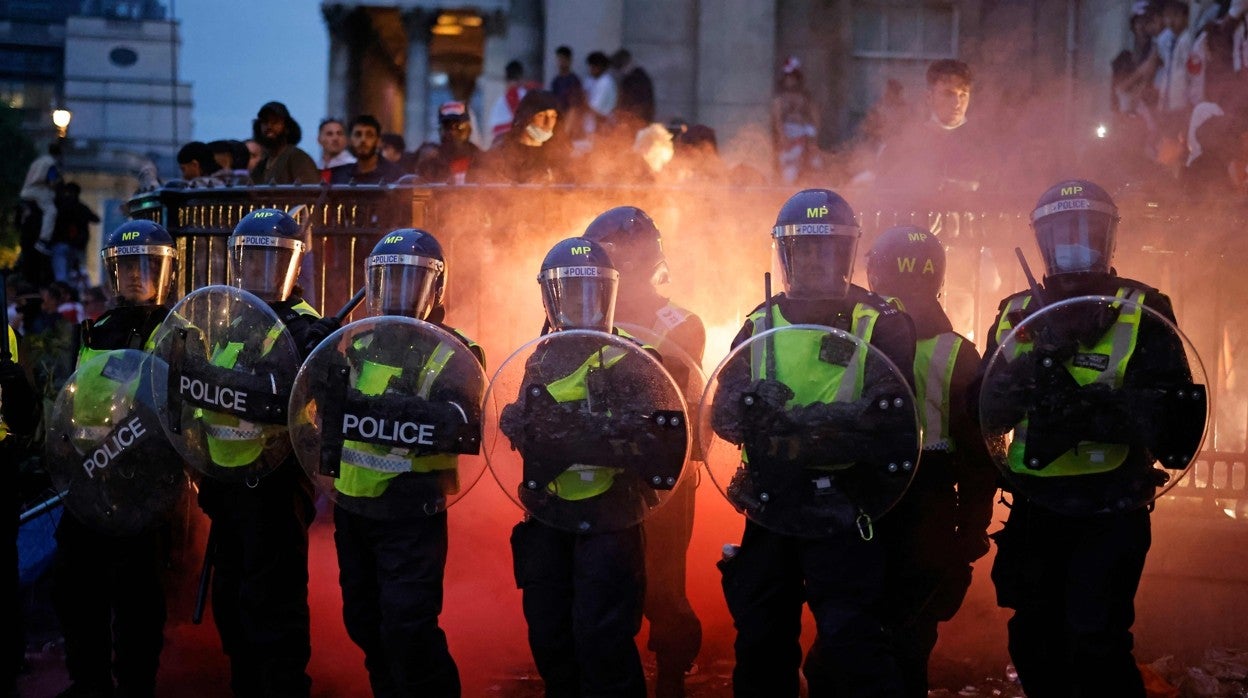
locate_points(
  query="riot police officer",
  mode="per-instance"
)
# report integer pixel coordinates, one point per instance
(392, 555)
(19, 413)
(1071, 574)
(939, 527)
(259, 537)
(579, 557)
(633, 242)
(840, 573)
(108, 592)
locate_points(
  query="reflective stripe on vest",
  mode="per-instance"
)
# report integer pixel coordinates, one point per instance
(365, 469)
(582, 480)
(934, 359)
(811, 379)
(1118, 344)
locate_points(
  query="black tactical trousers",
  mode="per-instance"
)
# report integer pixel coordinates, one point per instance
(582, 599)
(110, 601)
(391, 574)
(260, 580)
(840, 577)
(1072, 583)
(926, 579)
(675, 631)
(15, 636)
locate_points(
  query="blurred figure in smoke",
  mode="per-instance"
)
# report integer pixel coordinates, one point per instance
(566, 85)
(943, 153)
(503, 113)
(634, 245)
(1070, 577)
(636, 103)
(794, 124)
(839, 574)
(453, 157)
(601, 93)
(939, 527)
(529, 153)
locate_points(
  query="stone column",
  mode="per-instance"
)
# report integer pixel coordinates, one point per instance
(736, 59)
(340, 21)
(416, 23)
(494, 59)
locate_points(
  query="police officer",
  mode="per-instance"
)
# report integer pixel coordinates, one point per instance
(108, 592)
(259, 538)
(633, 242)
(1071, 579)
(840, 575)
(939, 527)
(583, 586)
(392, 567)
(19, 413)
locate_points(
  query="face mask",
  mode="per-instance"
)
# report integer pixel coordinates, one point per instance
(538, 134)
(1068, 258)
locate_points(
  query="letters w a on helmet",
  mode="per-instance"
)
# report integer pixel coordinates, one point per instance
(142, 263)
(1076, 226)
(406, 274)
(579, 284)
(907, 262)
(815, 240)
(265, 251)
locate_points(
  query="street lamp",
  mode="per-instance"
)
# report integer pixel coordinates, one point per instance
(61, 118)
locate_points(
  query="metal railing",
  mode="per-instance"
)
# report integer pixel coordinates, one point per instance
(717, 243)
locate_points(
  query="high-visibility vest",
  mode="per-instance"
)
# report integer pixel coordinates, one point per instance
(934, 360)
(233, 441)
(4, 428)
(583, 480)
(96, 393)
(365, 469)
(1118, 344)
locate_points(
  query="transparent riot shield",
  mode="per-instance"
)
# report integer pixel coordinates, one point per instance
(385, 416)
(105, 450)
(1094, 405)
(231, 365)
(810, 431)
(684, 370)
(586, 431)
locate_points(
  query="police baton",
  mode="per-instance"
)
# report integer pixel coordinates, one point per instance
(350, 306)
(205, 577)
(1031, 280)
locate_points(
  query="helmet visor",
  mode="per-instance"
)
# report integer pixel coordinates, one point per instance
(141, 274)
(402, 284)
(1076, 242)
(816, 266)
(265, 265)
(579, 298)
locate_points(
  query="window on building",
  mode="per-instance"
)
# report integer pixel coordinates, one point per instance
(892, 30)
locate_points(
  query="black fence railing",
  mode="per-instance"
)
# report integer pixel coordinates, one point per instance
(718, 247)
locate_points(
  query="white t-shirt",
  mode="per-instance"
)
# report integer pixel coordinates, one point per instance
(602, 94)
(1175, 93)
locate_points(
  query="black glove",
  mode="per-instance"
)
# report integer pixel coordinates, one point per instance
(318, 331)
(969, 546)
(20, 407)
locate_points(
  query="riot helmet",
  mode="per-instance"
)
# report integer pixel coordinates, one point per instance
(815, 240)
(579, 284)
(633, 242)
(1076, 226)
(907, 262)
(265, 251)
(405, 274)
(141, 262)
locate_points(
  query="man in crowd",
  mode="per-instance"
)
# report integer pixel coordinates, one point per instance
(282, 162)
(369, 167)
(332, 138)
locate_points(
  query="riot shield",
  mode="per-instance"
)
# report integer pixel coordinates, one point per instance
(684, 370)
(586, 431)
(1094, 405)
(385, 416)
(105, 450)
(825, 440)
(231, 364)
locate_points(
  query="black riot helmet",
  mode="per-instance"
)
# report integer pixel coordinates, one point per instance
(141, 261)
(579, 284)
(815, 239)
(1076, 225)
(632, 241)
(405, 274)
(265, 250)
(907, 262)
